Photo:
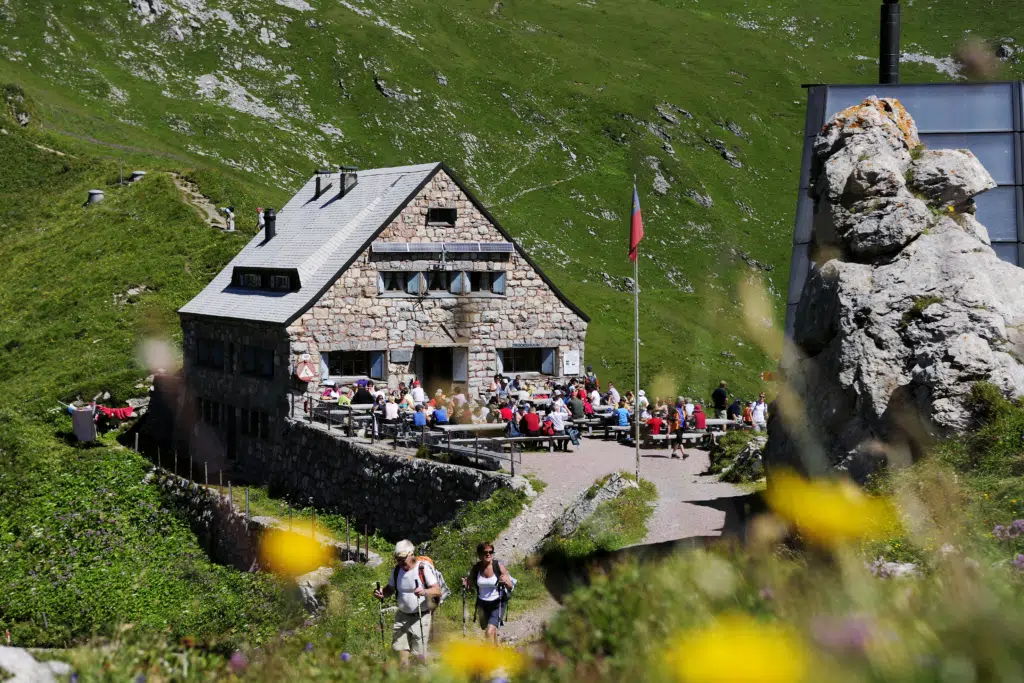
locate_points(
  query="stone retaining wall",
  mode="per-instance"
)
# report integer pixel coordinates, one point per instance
(391, 492)
(223, 530)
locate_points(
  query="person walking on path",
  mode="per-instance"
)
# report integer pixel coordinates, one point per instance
(720, 401)
(487, 577)
(411, 582)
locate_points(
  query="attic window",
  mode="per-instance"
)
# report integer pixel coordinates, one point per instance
(437, 215)
(267, 279)
(251, 280)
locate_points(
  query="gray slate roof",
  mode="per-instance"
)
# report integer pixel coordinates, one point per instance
(317, 237)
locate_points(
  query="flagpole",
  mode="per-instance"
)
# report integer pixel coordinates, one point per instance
(636, 348)
(636, 353)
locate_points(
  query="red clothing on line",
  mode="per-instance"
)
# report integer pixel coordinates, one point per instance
(119, 413)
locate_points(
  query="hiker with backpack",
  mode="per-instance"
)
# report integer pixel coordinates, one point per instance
(493, 585)
(418, 589)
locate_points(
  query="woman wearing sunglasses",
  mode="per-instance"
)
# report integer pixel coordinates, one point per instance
(493, 583)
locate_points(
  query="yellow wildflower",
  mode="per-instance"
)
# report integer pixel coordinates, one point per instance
(293, 552)
(475, 659)
(739, 649)
(830, 513)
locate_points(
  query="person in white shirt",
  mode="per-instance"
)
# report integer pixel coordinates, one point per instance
(595, 398)
(760, 414)
(418, 395)
(689, 408)
(558, 424)
(642, 402)
(411, 582)
(391, 411)
(613, 395)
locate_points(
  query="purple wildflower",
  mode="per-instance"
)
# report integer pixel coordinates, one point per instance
(238, 662)
(850, 634)
(309, 647)
(767, 594)
(141, 678)
(73, 678)
(344, 656)
(999, 531)
(1018, 562)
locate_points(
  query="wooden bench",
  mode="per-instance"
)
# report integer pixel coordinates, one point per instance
(617, 429)
(695, 437)
(550, 440)
(589, 423)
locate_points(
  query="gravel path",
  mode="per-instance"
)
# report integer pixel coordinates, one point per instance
(568, 474)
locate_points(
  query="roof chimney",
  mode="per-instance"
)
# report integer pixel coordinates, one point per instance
(323, 181)
(269, 224)
(349, 177)
(889, 43)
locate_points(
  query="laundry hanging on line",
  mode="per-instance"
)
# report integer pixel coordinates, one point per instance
(118, 413)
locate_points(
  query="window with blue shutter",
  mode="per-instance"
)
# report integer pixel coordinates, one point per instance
(377, 364)
(547, 361)
(457, 283)
(498, 284)
(381, 288)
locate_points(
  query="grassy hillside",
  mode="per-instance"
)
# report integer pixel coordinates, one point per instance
(547, 108)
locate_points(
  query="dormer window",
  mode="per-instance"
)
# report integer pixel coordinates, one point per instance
(266, 279)
(437, 215)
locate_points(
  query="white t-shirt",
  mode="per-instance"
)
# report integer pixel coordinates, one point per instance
(595, 398)
(408, 601)
(487, 588)
(390, 411)
(557, 421)
(613, 396)
(689, 409)
(418, 395)
(760, 409)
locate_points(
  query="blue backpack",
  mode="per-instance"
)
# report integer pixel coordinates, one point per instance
(512, 429)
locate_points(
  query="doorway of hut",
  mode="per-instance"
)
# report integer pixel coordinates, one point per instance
(435, 368)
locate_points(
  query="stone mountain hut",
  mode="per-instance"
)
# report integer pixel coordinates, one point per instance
(386, 274)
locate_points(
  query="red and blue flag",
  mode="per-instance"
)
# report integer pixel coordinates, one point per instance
(636, 227)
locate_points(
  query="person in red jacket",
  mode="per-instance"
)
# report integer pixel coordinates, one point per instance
(654, 424)
(532, 421)
(699, 418)
(506, 412)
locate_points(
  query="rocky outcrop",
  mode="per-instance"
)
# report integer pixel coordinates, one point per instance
(586, 504)
(913, 308)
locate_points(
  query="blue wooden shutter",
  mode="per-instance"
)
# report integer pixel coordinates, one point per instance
(460, 364)
(547, 361)
(416, 284)
(498, 284)
(324, 371)
(377, 364)
(456, 284)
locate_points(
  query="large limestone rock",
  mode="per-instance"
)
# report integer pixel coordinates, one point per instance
(914, 308)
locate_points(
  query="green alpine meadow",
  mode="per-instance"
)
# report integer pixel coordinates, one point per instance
(550, 112)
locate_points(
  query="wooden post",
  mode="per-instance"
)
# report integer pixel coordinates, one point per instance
(220, 478)
(366, 536)
(246, 504)
(231, 500)
(175, 462)
(206, 473)
(190, 468)
(136, 442)
(348, 542)
(350, 419)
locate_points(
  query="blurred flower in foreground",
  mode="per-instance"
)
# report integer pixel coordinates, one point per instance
(472, 660)
(830, 513)
(739, 649)
(293, 552)
(847, 635)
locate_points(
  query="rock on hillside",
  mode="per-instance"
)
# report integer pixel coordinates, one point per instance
(914, 308)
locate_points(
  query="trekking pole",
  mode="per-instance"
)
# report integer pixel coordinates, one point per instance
(419, 613)
(380, 612)
(463, 611)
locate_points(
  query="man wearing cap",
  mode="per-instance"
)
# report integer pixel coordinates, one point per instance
(411, 581)
(418, 395)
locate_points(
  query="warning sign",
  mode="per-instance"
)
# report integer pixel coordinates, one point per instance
(305, 371)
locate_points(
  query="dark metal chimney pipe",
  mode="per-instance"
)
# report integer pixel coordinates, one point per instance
(889, 43)
(269, 224)
(322, 182)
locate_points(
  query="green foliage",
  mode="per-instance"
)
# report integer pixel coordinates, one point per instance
(84, 540)
(916, 310)
(615, 524)
(17, 104)
(723, 457)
